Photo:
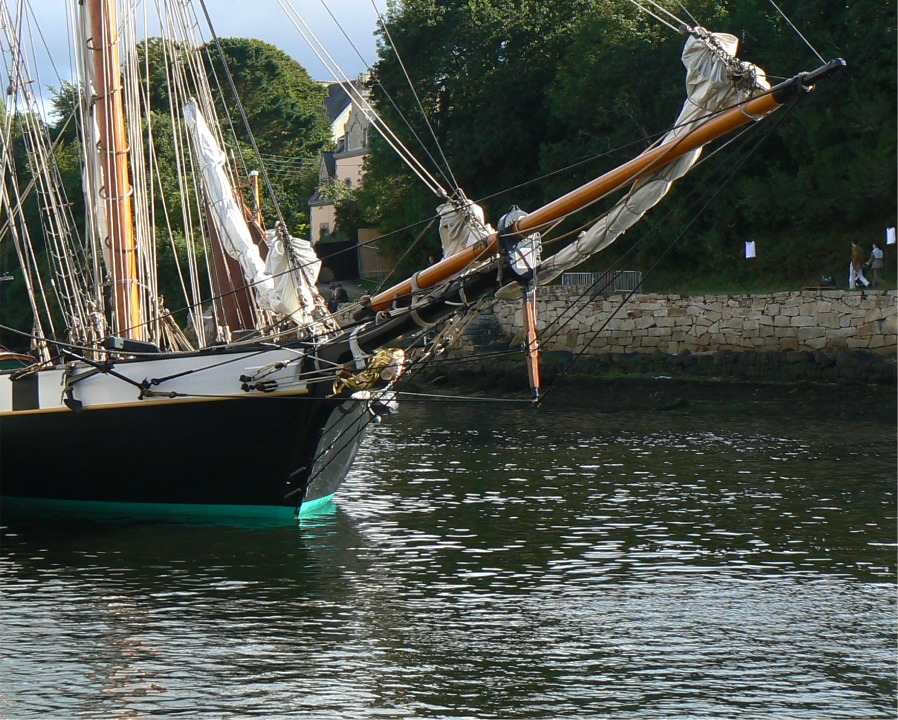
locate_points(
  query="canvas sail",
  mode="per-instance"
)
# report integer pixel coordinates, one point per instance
(462, 224)
(284, 288)
(710, 88)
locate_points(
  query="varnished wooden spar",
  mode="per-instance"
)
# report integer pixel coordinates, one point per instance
(649, 161)
(532, 340)
(113, 148)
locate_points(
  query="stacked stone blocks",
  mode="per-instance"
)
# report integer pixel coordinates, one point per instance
(827, 321)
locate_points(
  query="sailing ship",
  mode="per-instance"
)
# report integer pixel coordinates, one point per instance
(261, 396)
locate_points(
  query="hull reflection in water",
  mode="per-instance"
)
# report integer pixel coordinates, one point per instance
(716, 561)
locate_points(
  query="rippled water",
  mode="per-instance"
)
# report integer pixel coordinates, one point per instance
(489, 562)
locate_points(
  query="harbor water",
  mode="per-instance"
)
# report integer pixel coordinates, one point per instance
(633, 550)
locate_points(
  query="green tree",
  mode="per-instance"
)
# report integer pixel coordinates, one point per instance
(482, 71)
(518, 90)
(284, 108)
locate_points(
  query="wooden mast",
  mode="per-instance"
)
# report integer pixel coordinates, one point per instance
(113, 150)
(717, 126)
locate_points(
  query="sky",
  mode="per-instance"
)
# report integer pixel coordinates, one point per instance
(261, 19)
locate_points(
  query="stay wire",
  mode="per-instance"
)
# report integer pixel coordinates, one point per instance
(242, 110)
(798, 32)
(407, 376)
(658, 17)
(613, 273)
(691, 16)
(640, 250)
(451, 179)
(608, 277)
(387, 95)
(385, 131)
(249, 285)
(746, 155)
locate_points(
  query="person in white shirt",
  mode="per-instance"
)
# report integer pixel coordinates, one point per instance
(877, 263)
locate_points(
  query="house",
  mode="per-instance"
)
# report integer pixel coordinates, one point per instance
(342, 170)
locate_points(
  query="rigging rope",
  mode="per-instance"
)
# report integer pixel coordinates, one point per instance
(718, 189)
(361, 102)
(661, 20)
(792, 25)
(242, 110)
(387, 95)
(453, 182)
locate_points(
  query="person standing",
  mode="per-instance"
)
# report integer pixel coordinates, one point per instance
(877, 263)
(332, 303)
(856, 268)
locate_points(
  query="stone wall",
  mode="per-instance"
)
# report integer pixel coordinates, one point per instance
(814, 334)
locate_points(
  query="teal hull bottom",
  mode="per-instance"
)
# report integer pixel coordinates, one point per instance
(166, 512)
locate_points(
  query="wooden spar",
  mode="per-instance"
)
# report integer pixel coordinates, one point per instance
(532, 339)
(113, 149)
(257, 208)
(713, 128)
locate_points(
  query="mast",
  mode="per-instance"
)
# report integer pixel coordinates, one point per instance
(113, 150)
(715, 127)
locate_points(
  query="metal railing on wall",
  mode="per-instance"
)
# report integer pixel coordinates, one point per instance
(606, 283)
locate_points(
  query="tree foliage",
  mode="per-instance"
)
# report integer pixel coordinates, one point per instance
(517, 90)
(283, 106)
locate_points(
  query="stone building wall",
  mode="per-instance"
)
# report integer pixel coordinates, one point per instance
(818, 335)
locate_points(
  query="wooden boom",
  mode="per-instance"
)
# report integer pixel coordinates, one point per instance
(713, 128)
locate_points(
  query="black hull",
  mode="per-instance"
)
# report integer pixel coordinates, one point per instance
(255, 449)
(245, 451)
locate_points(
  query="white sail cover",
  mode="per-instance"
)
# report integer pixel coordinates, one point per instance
(709, 89)
(461, 224)
(278, 287)
(288, 295)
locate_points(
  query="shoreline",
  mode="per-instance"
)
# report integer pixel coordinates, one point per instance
(669, 395)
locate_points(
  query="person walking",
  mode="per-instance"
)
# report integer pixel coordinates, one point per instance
(856, 268)
(877, 263)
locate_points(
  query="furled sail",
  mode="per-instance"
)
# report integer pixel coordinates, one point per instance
(715, 80)
(461, 224)
(287, 295)
(285, 283)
